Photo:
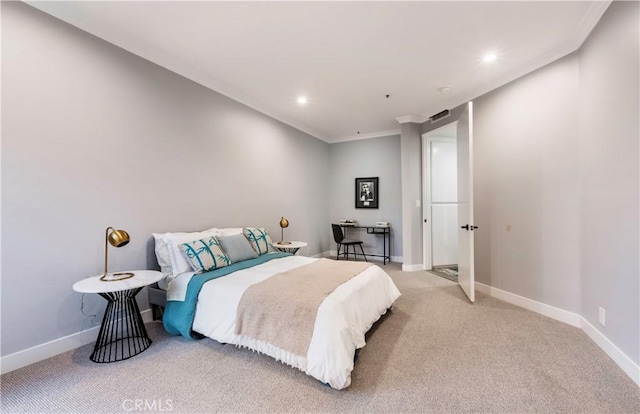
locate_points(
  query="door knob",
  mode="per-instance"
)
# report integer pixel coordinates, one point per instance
(466, 227)
(472, 228)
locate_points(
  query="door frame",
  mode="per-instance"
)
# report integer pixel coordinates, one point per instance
(427, 138)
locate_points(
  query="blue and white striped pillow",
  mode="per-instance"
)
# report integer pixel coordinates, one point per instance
(260, 240)
(205, 255)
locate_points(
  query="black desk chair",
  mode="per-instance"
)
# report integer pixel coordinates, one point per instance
(341, 241)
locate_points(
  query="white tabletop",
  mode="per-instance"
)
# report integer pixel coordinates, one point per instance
(95, 285)
(291, 245)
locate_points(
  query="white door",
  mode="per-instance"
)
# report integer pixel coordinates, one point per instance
(465, 202)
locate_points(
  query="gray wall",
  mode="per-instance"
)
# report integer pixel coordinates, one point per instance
(556, 157)
(526, 176)
(609, 175)
(93, 136)
(557, 154)
(411, 156)
(377, 157)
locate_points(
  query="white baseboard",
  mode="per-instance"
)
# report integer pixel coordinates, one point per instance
(620, 358)
(628, 366)
(532, 305)
(41, 352)
(412, 268)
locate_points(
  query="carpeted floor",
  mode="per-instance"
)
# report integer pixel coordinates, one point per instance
(434, 353)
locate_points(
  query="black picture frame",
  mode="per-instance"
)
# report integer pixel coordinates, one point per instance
(367, 192)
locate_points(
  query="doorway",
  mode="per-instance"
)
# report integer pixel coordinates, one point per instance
(460, 132)
(440, 201)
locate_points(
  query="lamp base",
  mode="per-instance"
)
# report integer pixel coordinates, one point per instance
(114, 277)
(284, 242)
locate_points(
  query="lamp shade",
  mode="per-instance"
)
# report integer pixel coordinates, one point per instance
(284, 223)
(118, 238)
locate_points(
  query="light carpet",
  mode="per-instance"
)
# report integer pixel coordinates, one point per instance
(435, 352)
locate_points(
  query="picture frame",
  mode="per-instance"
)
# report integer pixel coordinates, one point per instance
(367, 192)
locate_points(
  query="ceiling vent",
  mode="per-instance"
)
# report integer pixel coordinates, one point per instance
(440, 115)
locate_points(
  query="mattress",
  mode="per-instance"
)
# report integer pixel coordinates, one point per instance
(342, 319)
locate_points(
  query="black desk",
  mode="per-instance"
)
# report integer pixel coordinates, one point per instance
(385, 232)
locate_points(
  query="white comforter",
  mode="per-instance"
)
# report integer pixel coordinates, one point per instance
(341, 323)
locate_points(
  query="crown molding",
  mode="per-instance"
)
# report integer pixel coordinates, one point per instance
(416, 119)
(370, 135)
(580, 34)
(589, 21)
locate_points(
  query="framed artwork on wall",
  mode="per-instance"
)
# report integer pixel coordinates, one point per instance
(367, 192)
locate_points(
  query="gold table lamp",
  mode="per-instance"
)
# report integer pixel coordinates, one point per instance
(284, 223)
(117, 238)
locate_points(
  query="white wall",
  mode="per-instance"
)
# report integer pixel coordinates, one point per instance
(443, 165)
(444, 171)
(609, 176)
(93, 136)
(377, 157)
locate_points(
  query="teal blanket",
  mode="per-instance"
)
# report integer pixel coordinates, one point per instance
(178, 315)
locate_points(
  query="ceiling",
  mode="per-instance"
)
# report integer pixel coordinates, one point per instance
(345, 57)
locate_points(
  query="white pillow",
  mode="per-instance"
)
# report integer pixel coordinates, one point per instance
(231, 231)
(172, 263)
(162, 254)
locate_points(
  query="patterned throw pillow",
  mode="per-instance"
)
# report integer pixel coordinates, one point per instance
(205, 255)
(260, 240)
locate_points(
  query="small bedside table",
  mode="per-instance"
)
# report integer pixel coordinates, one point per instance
(291, 247)
(122, 333)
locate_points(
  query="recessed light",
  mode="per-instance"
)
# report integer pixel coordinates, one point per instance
(490, 57)
(302, 100)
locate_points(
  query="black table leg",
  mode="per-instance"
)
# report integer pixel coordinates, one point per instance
(292, 250)
(122, 334)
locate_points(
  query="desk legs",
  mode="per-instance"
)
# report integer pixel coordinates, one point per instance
(386, 241)
(122, 334)
(386, 244)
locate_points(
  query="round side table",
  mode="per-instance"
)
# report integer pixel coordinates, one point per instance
(122, 333)
(292, 247)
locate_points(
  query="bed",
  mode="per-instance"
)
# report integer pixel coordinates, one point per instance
(227, 303)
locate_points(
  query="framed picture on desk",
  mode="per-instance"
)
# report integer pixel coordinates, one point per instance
(367, 192)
